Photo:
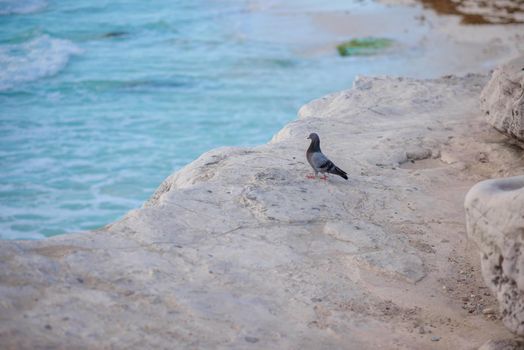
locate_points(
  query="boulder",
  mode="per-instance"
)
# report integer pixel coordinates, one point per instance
(502, 100)
(503, 344)
(495, 222)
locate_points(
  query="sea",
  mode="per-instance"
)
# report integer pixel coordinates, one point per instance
(101, 100)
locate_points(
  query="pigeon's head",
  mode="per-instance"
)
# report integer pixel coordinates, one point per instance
(313, 137)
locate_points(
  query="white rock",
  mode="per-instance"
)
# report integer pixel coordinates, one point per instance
(239, 250)
(502, 100)
(495, 222)
(503, 344)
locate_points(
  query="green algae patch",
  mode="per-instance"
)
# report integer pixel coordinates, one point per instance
(364, 46)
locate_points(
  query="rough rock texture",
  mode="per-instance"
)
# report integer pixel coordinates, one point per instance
(495, 222)
(239, 250)
(503, 344)
(502, 100)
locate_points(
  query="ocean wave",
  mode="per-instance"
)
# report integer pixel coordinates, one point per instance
(20, 7)
(35, 59)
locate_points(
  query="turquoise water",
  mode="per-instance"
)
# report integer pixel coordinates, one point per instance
(101, 100)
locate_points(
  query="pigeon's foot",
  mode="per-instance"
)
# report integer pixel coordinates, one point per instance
(324, 177)
(311, 177)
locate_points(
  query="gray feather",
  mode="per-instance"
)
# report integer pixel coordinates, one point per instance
(319, 162)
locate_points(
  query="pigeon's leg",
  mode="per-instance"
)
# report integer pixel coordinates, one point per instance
(313, 176)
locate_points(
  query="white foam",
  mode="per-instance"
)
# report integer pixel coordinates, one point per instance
(35, 59)
(21, 7)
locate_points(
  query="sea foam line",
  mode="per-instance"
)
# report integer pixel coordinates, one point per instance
(35, 59)
(20, 7)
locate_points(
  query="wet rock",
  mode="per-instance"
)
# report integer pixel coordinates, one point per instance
(115, 34)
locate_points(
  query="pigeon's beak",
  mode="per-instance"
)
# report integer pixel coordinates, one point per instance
(308, 138)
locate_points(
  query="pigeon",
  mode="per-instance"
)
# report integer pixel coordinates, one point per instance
(319, 162)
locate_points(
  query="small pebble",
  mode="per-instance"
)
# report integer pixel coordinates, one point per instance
(488, 311)
(435, 338)
(251, 339)
(48, 327)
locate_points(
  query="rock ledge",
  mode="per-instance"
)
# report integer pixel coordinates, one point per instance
(239, 250)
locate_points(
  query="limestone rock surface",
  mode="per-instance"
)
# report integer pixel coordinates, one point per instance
(502, 100)
(238, 250)
(503, 344)
(495, 221)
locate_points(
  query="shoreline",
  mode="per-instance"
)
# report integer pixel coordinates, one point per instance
(293, 70)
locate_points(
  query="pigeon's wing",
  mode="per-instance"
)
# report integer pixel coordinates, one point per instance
(320, 162)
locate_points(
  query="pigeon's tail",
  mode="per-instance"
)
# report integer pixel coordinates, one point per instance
(339, 172)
